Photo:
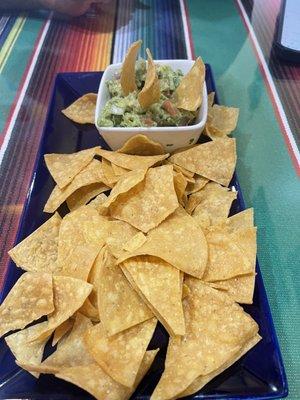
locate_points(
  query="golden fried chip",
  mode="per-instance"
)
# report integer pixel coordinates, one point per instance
(216, 328)
(160, 286)
(120, 233)
(127, 77)
(98, 201)
(141, 145)
(119, 171)
(94, 380)
(89, 310)
(221, 121)
(210, 99)
(80, 261)
(214, 160)
(135, 242)
(64, 167)
(150, 202)
(240, 288)
(29, 299)
(243, 219)
(92, 173)
(119, 305)
(150, 93)
(79, 227)
(82, 110)
(83, 195)
(180, 184)
(189, 175)
(189, 93)
(230, 254)
(69, 295)
(125, 183)
(194, 187)
(108, 171)
(120, 355)
(38, 251)
(62, 330)
(202, 380)
(190, 252)
(23, 349)
(131, 162)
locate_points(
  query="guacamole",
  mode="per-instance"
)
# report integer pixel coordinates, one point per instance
(125, 111)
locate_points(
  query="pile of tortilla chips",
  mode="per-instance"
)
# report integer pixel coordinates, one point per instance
(158, 246)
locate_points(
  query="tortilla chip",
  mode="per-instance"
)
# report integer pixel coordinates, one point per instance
(230, 254)
(190, 252)
(83, 195)
(98, 201)
(213, 321)
(199, 184)
(38, 251)
(62, 330)
(119, 171)
(120, 234)
(119, 305)
(29, 299)
(23, 349)
(150, 202)
(131, 162)
(160, 286)
(221, 122)
(108, 171)
(92, 173)
(94, 380)
(150, 93)
(135, 242)
(189, 175)
(141, 145)
(213, 200)
(127, 77)
(210, 99)
(203, 380)
(89, 311)
(120, 355)
(180, 184)
(79, 263)
(82, 110)
(240, 288)
(80, 227)
(69, 295)
(243, 219)
(189, 93)
(214, 160)
(125, 183)
(64, 167)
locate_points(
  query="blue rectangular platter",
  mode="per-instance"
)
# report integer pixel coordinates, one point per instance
(257, 375)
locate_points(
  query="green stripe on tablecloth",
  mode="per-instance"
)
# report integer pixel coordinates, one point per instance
(15, 65)
(265, 170)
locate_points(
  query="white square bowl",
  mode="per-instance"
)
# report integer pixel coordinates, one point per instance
(171, 137)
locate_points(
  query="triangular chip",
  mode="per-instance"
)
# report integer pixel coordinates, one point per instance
(204, 379)
(214, 160)
(179, 242)
(69, 296)
(89, 310)
(82, 110)
(92, 173)
(127, 76)
(119, 305)
(119, 171)
(64, 167)
(98, 201)
(221, 121)
(180, 184)
(120, 233)
(83, 195)
(141, 145)
(189, 93)
(241, 220)
(62, 330)
(150, 93)
(199, 184)
(149, 203)
(213, 321)
(38, 251)
(135, 242)
(160, 285)
(131, 162)
(94, 380)
(110, 177)
(120, 355)
(23, 349)
(30, 298)
(230, 254)
(80, 261)
(210, 99)
(240, 288)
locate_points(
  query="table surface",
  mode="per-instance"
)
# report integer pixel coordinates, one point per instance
(236, 38)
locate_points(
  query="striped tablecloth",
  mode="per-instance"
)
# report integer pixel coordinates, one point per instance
(235, 37)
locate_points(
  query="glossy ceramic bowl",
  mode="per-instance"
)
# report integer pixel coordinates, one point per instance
(172, 137)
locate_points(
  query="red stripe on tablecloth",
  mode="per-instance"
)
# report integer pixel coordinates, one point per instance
(189, 30)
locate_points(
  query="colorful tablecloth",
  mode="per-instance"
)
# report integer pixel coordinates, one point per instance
(236, 38)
